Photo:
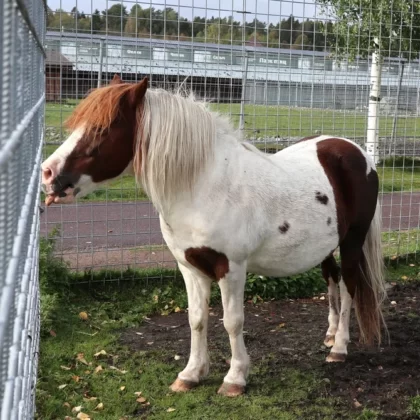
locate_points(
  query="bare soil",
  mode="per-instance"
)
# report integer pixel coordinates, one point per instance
(290, 334)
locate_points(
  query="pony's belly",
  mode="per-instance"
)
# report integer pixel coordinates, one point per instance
(281, 262)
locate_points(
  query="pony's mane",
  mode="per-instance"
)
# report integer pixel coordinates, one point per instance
(174, 145)
(99, 109)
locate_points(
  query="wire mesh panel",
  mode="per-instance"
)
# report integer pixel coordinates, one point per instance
(281, 71)
(22, 30)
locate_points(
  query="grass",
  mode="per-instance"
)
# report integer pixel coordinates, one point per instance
(286, 121)
(261, 120)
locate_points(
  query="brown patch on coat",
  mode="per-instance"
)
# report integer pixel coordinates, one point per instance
(322, 198)
(355, 193)
(212, 263)
(284, 227)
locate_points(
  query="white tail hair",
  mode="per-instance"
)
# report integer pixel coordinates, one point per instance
(372, 291)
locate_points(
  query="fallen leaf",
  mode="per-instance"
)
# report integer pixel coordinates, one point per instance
(90, 398)
(68, 418)
(66, 404)
(62, 386)
(141, 400)
(177, 357)
(170, 409)
(139, 333)
(322, 298)
(65, 368)
(150, 343)
(393, 302)
(155, 298)
(138, 393)
(404, 277)
(83, 416)
(75, 378)
(83, 316)
(100, 353)
(412, 265)
(81, 358)
(122, 388)
(53, 333)
(76, 409)
(98, 369)
(177, 309)
(118, 370)
(87, 372)
(99, 407)
(356, 404)
(281, 325)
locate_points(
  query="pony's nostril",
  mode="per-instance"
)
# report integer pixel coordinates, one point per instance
(47, 173)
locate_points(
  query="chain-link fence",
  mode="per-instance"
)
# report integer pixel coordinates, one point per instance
(280, 70)
(22, 29)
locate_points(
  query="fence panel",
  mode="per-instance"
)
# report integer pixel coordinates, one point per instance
(22, 32)
(273, 69)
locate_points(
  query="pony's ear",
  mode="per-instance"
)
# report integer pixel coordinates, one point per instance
(137, 92)
(116, 80)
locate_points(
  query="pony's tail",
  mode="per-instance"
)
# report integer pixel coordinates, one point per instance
(371, 291)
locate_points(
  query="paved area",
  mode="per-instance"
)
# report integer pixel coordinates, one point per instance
(124, 225)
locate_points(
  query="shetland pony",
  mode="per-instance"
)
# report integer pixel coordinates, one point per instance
(226, 209)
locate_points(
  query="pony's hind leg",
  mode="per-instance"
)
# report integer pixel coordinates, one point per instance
(351, 256)
(331, 273)
(232, 289)
(198, 290)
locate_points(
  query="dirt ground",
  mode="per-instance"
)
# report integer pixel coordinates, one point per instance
(292, 333)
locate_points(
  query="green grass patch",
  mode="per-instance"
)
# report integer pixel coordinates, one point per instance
(414, 407)
(400, 243)
(261, 120)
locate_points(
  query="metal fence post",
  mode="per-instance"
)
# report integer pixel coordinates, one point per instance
(101, 61)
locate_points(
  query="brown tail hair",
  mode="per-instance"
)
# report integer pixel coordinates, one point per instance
(370, 290)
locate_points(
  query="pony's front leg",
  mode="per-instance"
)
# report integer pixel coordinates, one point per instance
(232, 289)
(198, 289)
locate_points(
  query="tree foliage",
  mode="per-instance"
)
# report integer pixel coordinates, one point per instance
(168, 24)
(395, 24)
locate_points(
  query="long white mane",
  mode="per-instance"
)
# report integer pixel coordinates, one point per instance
(174, 144)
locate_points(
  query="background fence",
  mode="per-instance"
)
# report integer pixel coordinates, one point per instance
(22, 28)
(281, 70)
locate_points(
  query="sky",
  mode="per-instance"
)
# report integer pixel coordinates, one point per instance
(270, 11)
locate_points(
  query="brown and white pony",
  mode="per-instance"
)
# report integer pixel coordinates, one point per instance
(227, 209)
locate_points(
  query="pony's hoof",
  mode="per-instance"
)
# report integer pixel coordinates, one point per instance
(329, 340)
(182, 386)
(231, 390)
(336, 357)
